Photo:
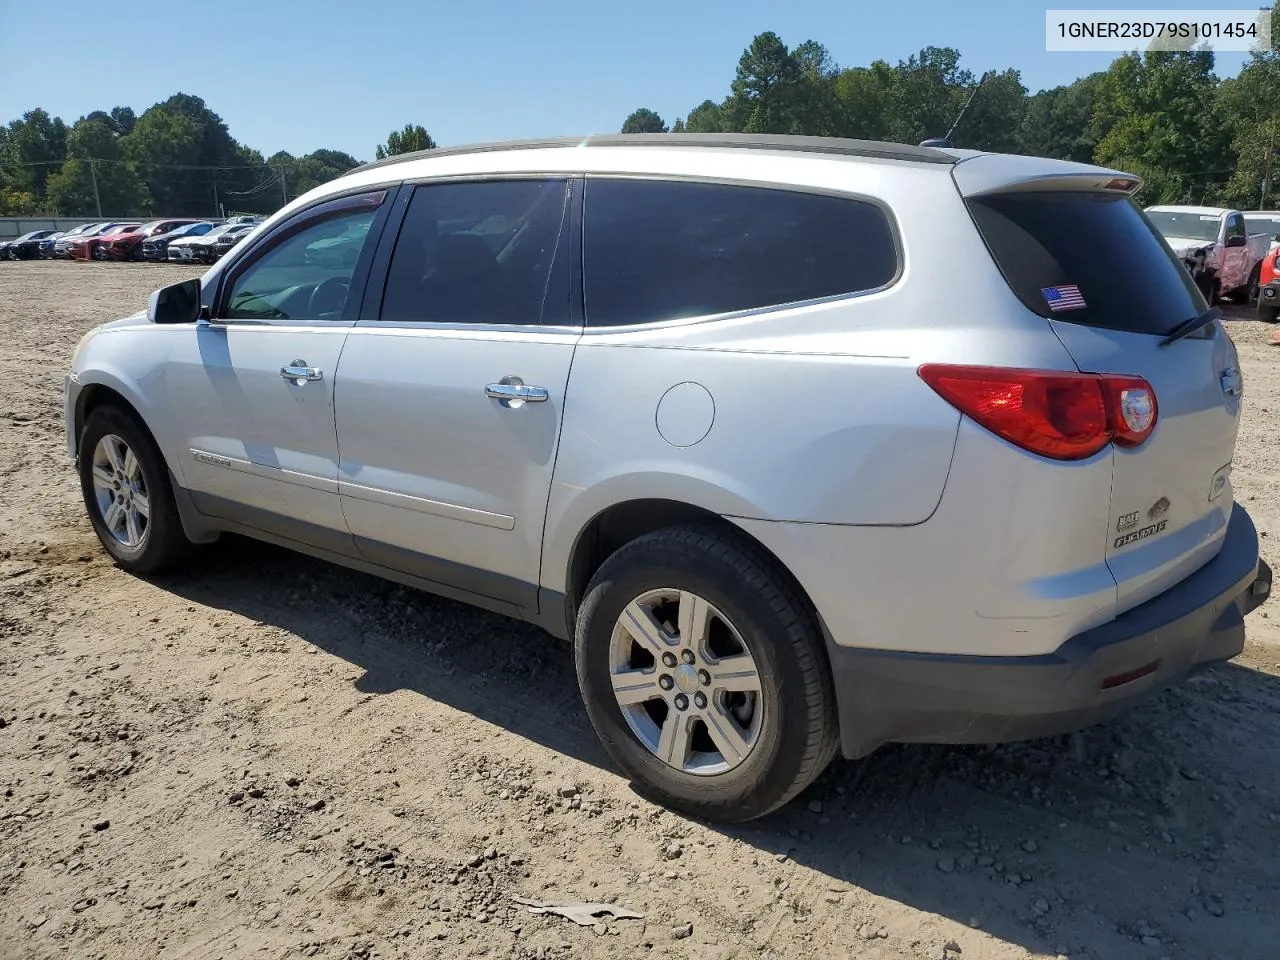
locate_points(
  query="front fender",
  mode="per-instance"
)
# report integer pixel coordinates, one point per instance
(112, 360)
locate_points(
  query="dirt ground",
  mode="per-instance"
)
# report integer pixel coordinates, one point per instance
(271, 757)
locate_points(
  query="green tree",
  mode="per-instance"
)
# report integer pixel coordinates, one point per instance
(38, 145)
(94, 155)
(308, 172)
(1058, 123)
(644, 120)
(864, 101)
(1157, 111)
(995, 114)
(817, 108)
(412, 138)
(1247, 106)
(706, 117)
(165, 146)
(928, 91)
(766, 95)
(124, 120)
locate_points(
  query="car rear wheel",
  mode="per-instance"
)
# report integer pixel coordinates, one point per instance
(703, 673)
(126, 489)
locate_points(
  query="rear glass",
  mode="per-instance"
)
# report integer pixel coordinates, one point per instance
(1126, 276)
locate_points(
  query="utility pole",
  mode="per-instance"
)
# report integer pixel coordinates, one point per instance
(96, 199)
(284, 186)
(216, 206)
(1266, 176)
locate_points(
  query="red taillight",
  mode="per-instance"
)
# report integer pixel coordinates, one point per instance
(1066, 416)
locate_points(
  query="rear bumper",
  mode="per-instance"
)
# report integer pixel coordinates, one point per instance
(885, 696)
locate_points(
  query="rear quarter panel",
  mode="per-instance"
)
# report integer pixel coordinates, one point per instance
(818, 415)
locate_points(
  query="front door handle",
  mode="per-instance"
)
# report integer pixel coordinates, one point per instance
(300, 373)
(513, 393)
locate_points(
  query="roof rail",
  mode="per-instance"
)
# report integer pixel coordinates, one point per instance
(747, 141)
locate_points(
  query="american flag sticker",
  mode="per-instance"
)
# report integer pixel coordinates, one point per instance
(1065, 297)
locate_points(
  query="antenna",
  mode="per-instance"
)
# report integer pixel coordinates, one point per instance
(945, 142)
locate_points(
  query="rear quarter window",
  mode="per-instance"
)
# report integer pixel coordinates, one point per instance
(665, 250)
(1127, 276)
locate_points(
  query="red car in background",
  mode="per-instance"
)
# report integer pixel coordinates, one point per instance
(82, 248)
(128, 245)
(1269, 287)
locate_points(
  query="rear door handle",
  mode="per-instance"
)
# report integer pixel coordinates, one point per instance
(513, 393)
(300, 373)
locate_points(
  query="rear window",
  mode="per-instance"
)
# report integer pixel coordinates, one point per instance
(1095, 249)
(665, 250)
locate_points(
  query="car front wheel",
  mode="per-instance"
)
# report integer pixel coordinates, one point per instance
(126, 489)
(704, 674)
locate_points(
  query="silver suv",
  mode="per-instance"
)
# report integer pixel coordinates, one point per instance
(806, 444)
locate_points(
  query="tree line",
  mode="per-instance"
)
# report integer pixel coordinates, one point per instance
(177, 159)
(1163, 115)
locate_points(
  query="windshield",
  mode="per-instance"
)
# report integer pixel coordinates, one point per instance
(1186, 226)
(1094, 248)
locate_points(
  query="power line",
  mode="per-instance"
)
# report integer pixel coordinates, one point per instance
(148, 163)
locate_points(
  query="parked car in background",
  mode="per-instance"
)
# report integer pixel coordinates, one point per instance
(1269, 287)
(128, 244)
(25, 247)
(963, 511)
(1264, 221)
(62, 247)
(1215, 245)
(85, 247)
(157, 247)
(48, 245)
(224, 241)
(4, 249)
(191, 248)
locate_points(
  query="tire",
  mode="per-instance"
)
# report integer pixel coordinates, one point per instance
(1268, 314)
(787, 723)
(1251, 288)
(161, 542)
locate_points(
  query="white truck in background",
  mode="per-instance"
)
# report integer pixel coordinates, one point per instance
(1215, 244)
(1264, 221)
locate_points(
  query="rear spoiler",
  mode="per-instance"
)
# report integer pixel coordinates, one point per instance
(991, 173)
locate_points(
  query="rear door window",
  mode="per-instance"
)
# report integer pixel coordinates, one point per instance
(663, 250)
(481, 253)
(1095, 257)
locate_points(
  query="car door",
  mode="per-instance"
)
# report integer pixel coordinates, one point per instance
(452, 385)
(1235, 272)
(252, 387)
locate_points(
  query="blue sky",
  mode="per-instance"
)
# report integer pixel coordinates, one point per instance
(303, 74)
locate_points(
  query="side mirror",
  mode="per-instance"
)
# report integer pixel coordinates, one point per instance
(1236, 241)
(179, 303)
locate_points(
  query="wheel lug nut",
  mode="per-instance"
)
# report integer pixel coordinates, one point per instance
(665, 682)
(700, 701)
(682, 702)
(669, 659)
(687, 656)
(704, 678)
